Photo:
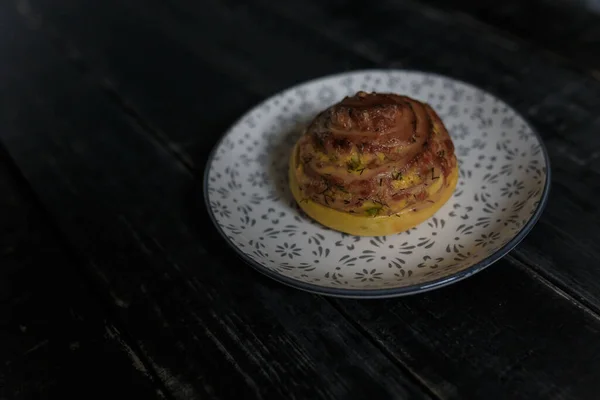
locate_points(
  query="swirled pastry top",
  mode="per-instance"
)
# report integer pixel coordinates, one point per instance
(375, 153)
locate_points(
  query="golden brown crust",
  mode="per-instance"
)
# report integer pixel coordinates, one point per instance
(375, 153)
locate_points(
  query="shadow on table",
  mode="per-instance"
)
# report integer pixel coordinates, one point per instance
(278, 167)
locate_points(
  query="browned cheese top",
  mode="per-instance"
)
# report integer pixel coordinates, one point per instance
(376, 153)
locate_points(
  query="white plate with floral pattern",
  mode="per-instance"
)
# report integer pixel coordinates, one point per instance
(502, 190)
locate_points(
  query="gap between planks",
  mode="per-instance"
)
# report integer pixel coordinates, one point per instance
(384, 350)
(136, 355)
(495, 35)
(505, 36)
(554, 284)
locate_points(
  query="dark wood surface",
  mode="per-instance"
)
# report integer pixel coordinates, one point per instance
(114, 281)
(55, 334)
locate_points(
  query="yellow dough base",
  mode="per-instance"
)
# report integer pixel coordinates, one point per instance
(362, 225)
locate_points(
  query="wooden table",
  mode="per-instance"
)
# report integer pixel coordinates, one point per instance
(114, 282)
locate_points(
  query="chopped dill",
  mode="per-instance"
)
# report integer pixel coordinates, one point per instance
(341, 188)
(373, 211)
(397, 176)
(354, 164)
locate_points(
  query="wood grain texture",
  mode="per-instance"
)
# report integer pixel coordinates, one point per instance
(560, 103)
(498, 335)
(209, 326)
(567, 28)
(55, 335)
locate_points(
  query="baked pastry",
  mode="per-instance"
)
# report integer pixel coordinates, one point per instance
(373, 164)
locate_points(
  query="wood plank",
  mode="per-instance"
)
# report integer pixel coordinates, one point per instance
(54, 333)
(195, 53)
(13, 225)
(567, 28)
(498, 335)
(446, 359)
(560, 103)
(209, 326)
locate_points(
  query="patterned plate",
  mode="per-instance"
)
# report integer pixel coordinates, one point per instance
(502, 190)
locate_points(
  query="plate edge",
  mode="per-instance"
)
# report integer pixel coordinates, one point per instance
(392, 292)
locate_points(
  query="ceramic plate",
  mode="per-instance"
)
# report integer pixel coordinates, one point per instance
(502, 189)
